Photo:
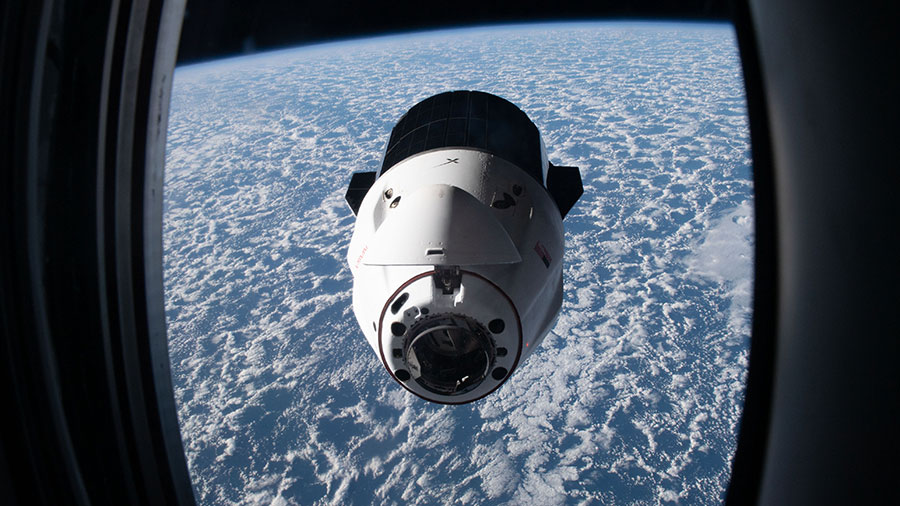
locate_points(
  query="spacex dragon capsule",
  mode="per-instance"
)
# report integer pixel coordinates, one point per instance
(457, 251)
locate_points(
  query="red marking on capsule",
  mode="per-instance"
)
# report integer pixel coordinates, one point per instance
(361, 255)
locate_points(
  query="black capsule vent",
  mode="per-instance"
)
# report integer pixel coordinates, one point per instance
(395, 307)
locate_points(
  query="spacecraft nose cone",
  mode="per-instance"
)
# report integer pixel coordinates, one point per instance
(441, 224)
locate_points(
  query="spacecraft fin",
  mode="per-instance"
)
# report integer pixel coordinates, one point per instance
(564, 185)
(360, 183)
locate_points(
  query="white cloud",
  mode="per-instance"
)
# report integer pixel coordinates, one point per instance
(725, 256)
(280, 399)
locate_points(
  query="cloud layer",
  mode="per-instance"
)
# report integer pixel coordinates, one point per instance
(635, 395)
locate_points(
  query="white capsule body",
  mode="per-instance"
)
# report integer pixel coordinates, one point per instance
(457, 266)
